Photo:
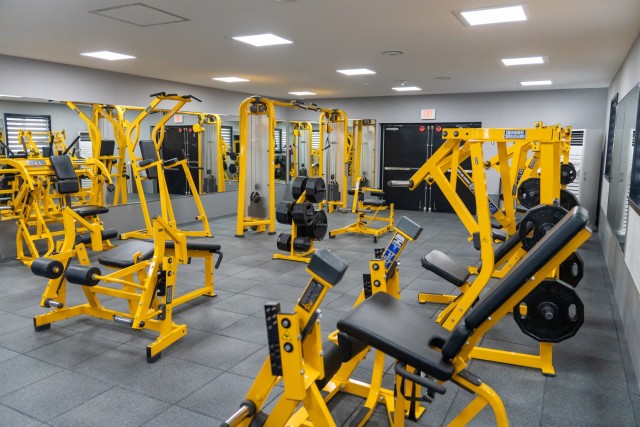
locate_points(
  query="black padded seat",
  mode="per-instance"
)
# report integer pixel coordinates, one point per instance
(499, 235)
(122, 255)
(65, 173)
(196, 245)
(444, 266)
(374, 202)
(89, 210)
(401, 331)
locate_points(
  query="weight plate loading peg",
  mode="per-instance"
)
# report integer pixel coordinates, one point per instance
(568, 173)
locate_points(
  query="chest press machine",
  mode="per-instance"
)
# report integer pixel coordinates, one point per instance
(428, 355)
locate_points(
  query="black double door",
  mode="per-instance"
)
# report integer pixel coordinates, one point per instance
(180, 142)
(405, 148)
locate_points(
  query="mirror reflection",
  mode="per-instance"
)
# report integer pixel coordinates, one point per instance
(621, 161)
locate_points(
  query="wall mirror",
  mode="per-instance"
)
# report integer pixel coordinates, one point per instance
(621, 164)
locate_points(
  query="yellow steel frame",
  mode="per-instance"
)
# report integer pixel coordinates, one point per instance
(364, 219)
(328, 120)
(294, 255)
(132, 133)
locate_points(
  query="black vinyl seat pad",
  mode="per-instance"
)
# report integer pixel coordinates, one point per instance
(122, 255)
(401, 331)
(374, 202)
(89, 210)
(195, 245)
(444, 266)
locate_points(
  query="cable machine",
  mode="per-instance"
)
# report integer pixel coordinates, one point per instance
(334, 130)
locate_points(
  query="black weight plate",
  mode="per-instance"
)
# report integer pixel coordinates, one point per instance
(529, 192)
(298, 186)
(233, 156)
(233, 169)
(572, 269)
(302, 213)
(552, 312)
(284, 242)
(320, 225)
(283, 212)
(302, 244)
(568, 200)
(567, 173)
(537, 222)
(305, 231)
(315, 190)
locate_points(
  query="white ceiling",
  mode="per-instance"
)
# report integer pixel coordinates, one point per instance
(585, 42)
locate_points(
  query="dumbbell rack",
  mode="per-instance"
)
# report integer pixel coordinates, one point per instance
(300, 248)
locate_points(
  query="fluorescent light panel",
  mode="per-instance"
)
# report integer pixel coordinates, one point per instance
(108, 55)
(260, 40)
(230, 79)
(356, 71)
(537, 83)
(494, 15)
(302, 93)
(406, 88)
(10, 96)
(523, 61)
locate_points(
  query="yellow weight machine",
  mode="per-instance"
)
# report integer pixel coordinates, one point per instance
(301, 363)
(256, 195)
(144, 167)
(332, 155)
(362, 164)
(301, 164)
(463, 143)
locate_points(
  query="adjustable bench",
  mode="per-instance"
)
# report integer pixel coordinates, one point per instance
(412, 338)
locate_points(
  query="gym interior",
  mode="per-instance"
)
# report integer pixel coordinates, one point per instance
(292, 212)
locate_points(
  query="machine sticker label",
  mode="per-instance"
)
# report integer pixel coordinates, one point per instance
(36, 162)
(515, 134)
(492, 207)
(393, 249)
(533, 163)
(465, 178)
(310, 296)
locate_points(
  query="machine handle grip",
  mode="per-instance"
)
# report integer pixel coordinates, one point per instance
(75, 141)
(247, 409)
(426, 383)
(400, 184)
(153, 95)
(192, 97)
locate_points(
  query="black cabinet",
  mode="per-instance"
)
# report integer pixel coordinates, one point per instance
(405, 148)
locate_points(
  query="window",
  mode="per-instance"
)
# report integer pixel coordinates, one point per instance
(277, 137)
(227, 135)
(15, 122)
(612, 127)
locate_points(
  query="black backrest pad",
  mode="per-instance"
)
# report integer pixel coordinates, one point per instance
(107, 147)
(506, 246)
(148, 151)
(62, 167)
(534, 260)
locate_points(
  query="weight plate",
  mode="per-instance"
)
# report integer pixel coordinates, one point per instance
(572, 269)
(537, 222)
(320, 225)
(233, 169)
(567, 173)
(552, 312)
(568, 200)
(298, 186)
(283, 212)
(302, 244)
(284, 242)
(529, 192)
(302, 213)
(315, 189)
(233, 156)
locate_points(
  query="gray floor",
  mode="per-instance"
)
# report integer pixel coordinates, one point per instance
(86, 372)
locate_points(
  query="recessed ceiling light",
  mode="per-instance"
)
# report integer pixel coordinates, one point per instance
(537, 83)
(356, 72)
(108, 55)
(10, 96)
(406, 88)
(260, 40)
(523, 61)
(302, 93)
(493, 15)
(230, 79)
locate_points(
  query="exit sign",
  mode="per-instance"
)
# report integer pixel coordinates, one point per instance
(429, 114)
(178, 118)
